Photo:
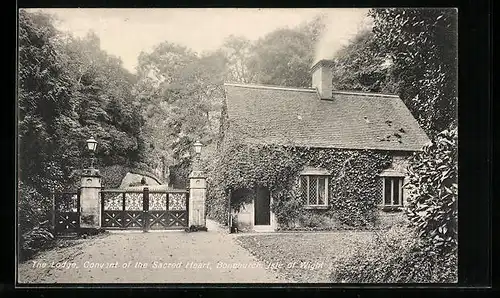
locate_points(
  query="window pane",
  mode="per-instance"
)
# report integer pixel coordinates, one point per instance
(396, 191)
(387, 192)
(303, 189)
(322, 191)
(313, 194)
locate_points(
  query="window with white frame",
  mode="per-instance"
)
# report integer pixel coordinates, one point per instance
(392, 191)
(314, 190)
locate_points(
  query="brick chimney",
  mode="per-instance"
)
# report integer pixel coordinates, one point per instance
(322, 78)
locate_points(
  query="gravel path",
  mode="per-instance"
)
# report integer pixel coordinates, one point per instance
(166, 257)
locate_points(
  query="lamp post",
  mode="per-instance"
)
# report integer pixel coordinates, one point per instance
(197, 193)
(91, 146)
(90, 193)
(197, 149)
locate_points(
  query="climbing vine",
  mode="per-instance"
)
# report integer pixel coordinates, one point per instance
(241, 167)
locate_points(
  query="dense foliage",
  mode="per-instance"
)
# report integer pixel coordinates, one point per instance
(282, 57)
(433, 192)
(362, 66)
(68, 90)
(409, 52)
(240, 166)
(425, 251)
(422, 45)
(416, 57)
(178, 93)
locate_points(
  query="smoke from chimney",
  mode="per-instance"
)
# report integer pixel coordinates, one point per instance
(340, 26)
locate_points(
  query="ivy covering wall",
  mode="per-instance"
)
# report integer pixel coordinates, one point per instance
(353, 185)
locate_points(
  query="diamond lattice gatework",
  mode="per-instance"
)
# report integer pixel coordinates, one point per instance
(133, 220)
(157, 220)
(113, 202)
(67, 221)
(177, 201)
(112, 219)
(133, 201)
(177, 219)
(158, 201)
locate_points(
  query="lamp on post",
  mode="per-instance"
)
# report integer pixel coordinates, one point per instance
(197, 149)
(91, 146)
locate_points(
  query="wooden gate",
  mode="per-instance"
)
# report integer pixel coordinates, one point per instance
(66, 216)
(144, 210)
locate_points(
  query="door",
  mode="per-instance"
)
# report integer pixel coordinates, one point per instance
(262, 210)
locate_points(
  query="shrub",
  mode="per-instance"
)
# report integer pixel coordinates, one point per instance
(397, 256)
(312, 220)
(33, 208)
(433, 192)
(35, 240)
(34, 217)
(287, 207)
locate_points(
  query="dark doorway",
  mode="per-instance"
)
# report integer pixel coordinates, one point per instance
(262, 207)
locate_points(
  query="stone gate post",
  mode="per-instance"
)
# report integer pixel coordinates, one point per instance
(197, 197)
(90, 199)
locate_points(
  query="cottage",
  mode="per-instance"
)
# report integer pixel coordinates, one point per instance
(333, 122)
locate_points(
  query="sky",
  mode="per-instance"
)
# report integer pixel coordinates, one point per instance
(127, 32)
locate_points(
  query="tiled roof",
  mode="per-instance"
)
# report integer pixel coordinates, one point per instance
(293, 116)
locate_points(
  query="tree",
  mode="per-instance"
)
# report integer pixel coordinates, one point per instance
(44, 101)
(283, 57)
(179, 92)
(313, 29)
(422, 44)
(362, 66)
(237, 52)
(102, 88)
(69, 89)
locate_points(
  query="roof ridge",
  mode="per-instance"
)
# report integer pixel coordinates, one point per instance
(302, 89)
(272, 87)
(365, 93)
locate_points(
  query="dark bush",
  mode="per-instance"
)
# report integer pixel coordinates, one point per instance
(433, 191)
(34, 217)
(33, 241)
(33, 207)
